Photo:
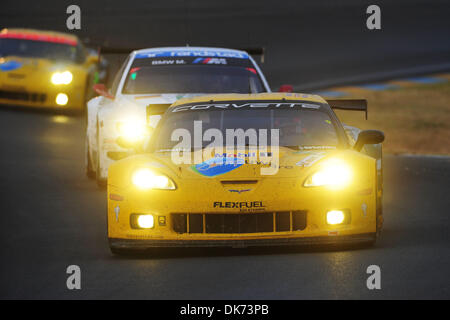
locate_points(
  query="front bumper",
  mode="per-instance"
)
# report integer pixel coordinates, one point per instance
(365, 238)
(44, 98)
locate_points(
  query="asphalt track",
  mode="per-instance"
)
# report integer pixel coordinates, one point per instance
(53, 217)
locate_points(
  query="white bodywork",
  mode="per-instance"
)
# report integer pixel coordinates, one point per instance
(103, 114)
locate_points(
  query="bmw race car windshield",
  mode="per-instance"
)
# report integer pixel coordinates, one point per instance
(38, 49)
(192, 75)
(298, 127)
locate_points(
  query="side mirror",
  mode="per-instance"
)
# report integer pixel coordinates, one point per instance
(286, 88)
(92, 59)
(117, 155)
(101, 90)
(368, 137)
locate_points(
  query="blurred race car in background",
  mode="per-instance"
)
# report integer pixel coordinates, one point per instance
(45, 69)
(156, 78)
(318, 188)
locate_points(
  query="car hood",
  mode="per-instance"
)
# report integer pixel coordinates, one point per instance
(292, 163)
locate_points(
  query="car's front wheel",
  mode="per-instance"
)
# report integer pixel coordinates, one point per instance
(119, 251)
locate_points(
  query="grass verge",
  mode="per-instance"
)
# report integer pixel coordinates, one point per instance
(415, 119)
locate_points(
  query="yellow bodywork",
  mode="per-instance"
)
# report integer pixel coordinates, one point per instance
(283, 192)
(30, 83)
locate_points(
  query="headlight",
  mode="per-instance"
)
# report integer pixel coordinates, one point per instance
(61, 99)
(132, 130)
(333, 173)
(142, 221)
(62, 77)
(145, 221)
(147, 179)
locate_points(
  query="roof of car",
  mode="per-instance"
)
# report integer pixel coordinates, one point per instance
(251, 97)
(39, 35)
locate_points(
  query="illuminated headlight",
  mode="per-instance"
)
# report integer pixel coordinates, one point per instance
(62, 77)
(335, 217)
(132, 130)
(62, 99)
(142, 221)
(332, 173)
(147, 179)
(145, 221)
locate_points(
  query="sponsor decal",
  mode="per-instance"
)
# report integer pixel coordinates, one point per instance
(163, 62)
(238, 205)
(316, 148)
(310, 160)
(217, 166)
(10, 65)
(116, 197)
(239, 191)
(210, 61)
(224, 106)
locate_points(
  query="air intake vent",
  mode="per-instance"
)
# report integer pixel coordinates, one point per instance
(239, 222)
(227, 182)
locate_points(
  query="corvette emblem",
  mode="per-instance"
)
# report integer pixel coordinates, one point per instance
(239, 191)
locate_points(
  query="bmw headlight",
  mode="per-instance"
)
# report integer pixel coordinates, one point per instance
(62, 77)
(147, 179)
(132, 130)
(333, 173)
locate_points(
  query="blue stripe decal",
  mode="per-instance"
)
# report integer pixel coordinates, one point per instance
(193, 53)
(425, 80)
(378, 86)
(330, 93)
(10, 65)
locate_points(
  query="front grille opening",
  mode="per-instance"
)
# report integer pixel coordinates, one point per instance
(283, 221)
(298, 220)
(239, 222)
(227, 182)
(179, 223)
(195, 223)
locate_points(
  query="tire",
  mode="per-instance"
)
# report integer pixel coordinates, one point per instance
(371, 242)
(119, 251)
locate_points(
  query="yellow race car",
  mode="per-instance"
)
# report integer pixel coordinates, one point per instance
(245, 170)
(45, 69)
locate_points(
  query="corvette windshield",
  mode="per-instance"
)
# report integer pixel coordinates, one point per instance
(185, 75)
(38, 49)
(297, 128)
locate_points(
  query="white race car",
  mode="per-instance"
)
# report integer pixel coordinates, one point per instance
(155, 78)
